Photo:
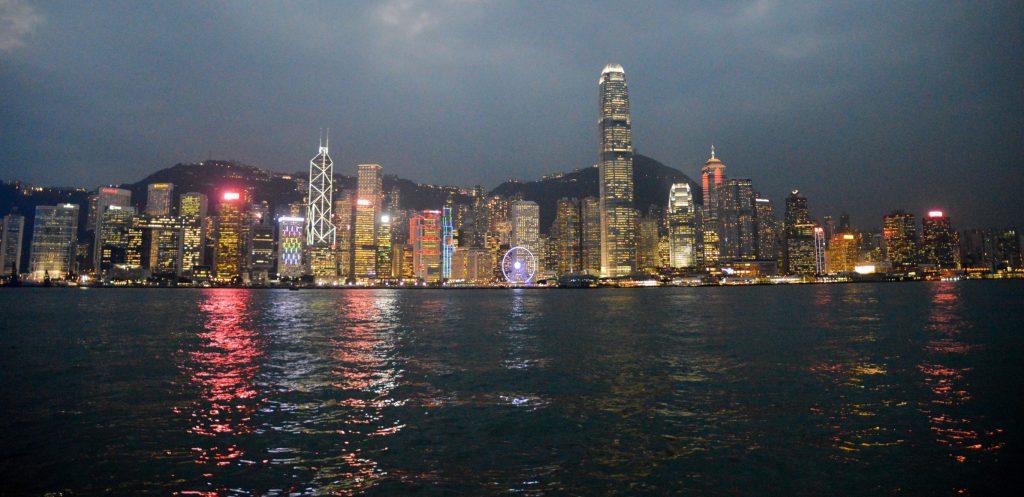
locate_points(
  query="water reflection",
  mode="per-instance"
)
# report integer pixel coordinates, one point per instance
(223, 366)
(946, 376)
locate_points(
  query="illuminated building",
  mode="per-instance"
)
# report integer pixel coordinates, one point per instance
(261, 252)
(385, 264)
(737, 221)
(618, 218)
(402, 264)
(474, 266)
(343, 233)
(290, 241)
(122, 239)
(159, 199)
(228, 250)
(447, 242)
(712, 177)
(647, 238)
(319, 230)
(799, 249)
(767, 230)
(843, 252)
(939, 243)
(106, 197)
(683, 226)
(323, 263)
(425, 239)
(369, 197)
(819, 250)
(10, 244)
(1007, 253)
(566, 237)
(53, 241)
(900, 231)
(590, 218)
(192, 208)
(524, 216)
(163, 234)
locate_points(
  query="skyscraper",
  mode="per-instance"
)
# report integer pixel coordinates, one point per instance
(647, 238)
(799, 249)
(229, 248)
(10, 244)
(618, 218)
(682, 227)
(425, 239)
(385, 262)
(712, 179)
(369, 197)
(319, 229)
(106, 197)
(290, 241)
(158, 199)
(565, 233)
(343, 206)
(590, 218)
(900, 231)
(447, 242)
(524, 215)
(192, 209)
(737, 222)
(53, 241)
(939, 243)
(767, 230)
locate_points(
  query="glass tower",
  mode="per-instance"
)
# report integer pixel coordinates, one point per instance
(618, 219)
(682, 227)
(319, 229)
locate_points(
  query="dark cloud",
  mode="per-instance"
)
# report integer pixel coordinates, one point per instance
(865, 106)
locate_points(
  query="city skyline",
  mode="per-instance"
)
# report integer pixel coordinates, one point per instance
(796, 98)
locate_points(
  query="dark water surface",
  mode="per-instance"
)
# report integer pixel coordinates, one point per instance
(868, 389)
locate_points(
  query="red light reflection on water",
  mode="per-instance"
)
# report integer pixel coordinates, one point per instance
(223, 366)
(949, 384)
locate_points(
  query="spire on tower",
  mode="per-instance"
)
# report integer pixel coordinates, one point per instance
(321, 138)
(712, 150)
(327, 143)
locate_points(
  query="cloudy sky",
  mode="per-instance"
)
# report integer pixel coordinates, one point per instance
(864, 106)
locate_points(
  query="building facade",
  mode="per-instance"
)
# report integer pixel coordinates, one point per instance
(618, 218)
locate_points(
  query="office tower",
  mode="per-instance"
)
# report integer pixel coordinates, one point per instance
(290, 242)
(192, 208)
(798, 232)
(121, 232)
(261, 252)
(767, 230)
(1007, 248)
(323, 263)
(939, 243)
(447, 241)
(566, 237)
(900, 231)
(53, 241)
(319, 230)
(425, 239)
(92, 213)
(977, 249)
(819, 250)
(738, 222)
(683, 225)
(106, 197)
(159, 199)
(10, 244)
(369, 197)
(524, 216)
(844, 224)
(712, 179)
(647, 239)
(385, 264)
(474, 266)
(618, 218)
(843, 251)
(164, 236)
(228, 252)
(343, 215)
(590, 217)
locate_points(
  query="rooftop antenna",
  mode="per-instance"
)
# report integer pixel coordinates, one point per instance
(712, 150)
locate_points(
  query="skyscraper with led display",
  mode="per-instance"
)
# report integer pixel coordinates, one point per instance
(385, 260)
(369, 197)
(159, 199)
(53, 241)
(682, 227)
(940, 245)
(447, 242)
(712, 180)
(425, 239)
(290, 242)
(229, 248)
(618, 218)
(319, 229)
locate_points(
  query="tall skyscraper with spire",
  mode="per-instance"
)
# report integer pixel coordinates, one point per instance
(712, 177)
(319, 228)
(618, 219)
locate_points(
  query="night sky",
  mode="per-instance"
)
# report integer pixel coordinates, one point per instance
(864, 106)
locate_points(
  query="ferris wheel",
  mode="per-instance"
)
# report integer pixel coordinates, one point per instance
(519, 265)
